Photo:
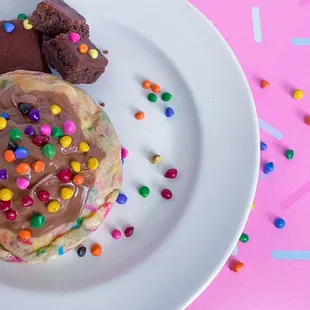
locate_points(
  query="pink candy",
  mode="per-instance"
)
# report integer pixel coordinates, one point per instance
(22, 183)
(68, 127)
(74, 37)
(11, 215)
(124, 153)
(129, 231)
(116, 234)
(46, 130)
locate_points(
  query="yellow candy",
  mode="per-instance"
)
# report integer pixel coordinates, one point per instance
(6, 194)
(65, 141)
(66, 193)
(93, 53)
(55, 109)
(27, 24)
(83, 147)
(3, 123)
(76, 166)
(298, 94)
(53, 206)
(92, 163)
(155, 159)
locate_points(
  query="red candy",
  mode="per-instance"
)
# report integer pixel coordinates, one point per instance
(129, 231)
(40, 140)
(44, 196)
(11, 215)
(5, 205)
(64, 175)
(171, 174)
(167, 194)
(27, 201)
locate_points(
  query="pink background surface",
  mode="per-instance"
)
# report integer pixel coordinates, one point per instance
(266, 283)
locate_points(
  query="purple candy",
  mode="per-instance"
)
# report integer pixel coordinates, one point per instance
(21, 153)
(3, 174)
(34, 115)
(29, 131)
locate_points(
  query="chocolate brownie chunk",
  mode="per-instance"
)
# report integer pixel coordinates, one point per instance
(53, 17)
(74, 67)
(20, 49)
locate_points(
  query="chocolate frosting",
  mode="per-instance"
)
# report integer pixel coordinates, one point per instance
(46, 180)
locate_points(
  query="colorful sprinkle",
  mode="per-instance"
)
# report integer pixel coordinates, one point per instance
(5, 115)
(38, 166)
(25, 108)
(257, 28)
(66, 193)
(289, 154)
(23, 168)
(3, 123)
(76, 166)
(27, 201)
(61, 251)
(65, 141)
(139, 115)
(298, 94)
(22, 183)
(237, 267)
(155, 159)
(268, 167)
(53, 206)
(9, 156)
(68, 127)
(15, 134)
(43, 195)
(74, 37)
(171, 173)
(8, 27)
(24, 234)
(55, 109)
(129, 231)
(152, 97)
(27, 25)
(307, 120)
(116, 234)
(83, 147)
(6, 194)
(34, 115)
(46, 130)
(263, 146)
(166, 194)
(65, 175)
(169, 112)
(3, 174)
(144, 191)
(11, 215)
(279, 223)
(49, 150)
(29, 131)
(96, 250)
(21, 153)
(78, 179)
(124, 153)
(264, 84)
(57, 132)
(155, 88)
(83, 48)
(22, 16)
(166, 97)
(146, 84)
(92, 163)
(81, 251)
(121, 199)
(5, 205)
(92, 53)
(244, 238)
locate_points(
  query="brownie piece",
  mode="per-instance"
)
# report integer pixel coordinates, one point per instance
(74, 67)
(53, 17)
(21, 49)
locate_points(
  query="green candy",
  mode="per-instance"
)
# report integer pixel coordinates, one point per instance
(144, 191)
(15, 134)
(57, 132)
(48, 151)
(152, 97)
(244, 238)
(166, 97)
(22, 16)
(4, 84)
(289, 154)
(37, 221)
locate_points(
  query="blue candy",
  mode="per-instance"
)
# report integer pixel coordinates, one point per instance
(279, 223)
(263, 146)
(268, 168)
(21, 153)
(5, 115)
(121, 199)
(8, 27)
(169, 112)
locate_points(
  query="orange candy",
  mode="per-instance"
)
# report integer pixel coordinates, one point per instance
(83, 48)
(9, 156)
(78, 179)
(307, 120)
(96, 250)
(236, 266)
(155, 88)
(146, 84)
(25, 234)
(264, 84)
(23, 168)
(139, 115)
(38, 166)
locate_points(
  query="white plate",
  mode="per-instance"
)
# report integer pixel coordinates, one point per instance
(180, 245)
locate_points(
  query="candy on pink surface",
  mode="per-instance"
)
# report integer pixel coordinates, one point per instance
(116, 234)
(46, 130)
(22, 183)
(74, 37)
(68, 127)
